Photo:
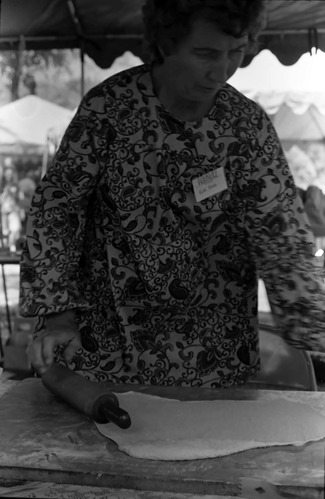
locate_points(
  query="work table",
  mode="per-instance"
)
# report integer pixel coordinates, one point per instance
(44, 440)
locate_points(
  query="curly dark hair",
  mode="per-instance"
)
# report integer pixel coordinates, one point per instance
(171, 20)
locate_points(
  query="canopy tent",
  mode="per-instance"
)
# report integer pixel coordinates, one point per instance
(30, 120)
(105, 29)
(10, 143)
(28, 125)
(272, 84)
(293, 95)
(291, 127)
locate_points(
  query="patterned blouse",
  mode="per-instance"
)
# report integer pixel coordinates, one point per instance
(155, 232)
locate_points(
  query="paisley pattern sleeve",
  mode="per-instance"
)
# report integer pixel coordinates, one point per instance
(282, 244)
(56, 223)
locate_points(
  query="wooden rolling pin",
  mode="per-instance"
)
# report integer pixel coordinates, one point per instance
(89, 397)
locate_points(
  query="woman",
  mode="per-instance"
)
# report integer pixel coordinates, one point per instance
(169, 195)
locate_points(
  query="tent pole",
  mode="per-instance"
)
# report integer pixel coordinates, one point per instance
(74, 14)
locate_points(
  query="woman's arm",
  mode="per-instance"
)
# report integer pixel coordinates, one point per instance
(50, 269)
(56, 222)
(282, 245)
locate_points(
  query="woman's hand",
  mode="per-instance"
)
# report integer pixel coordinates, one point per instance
(60, 331)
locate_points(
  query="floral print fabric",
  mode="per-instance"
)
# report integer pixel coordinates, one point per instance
(165, 287)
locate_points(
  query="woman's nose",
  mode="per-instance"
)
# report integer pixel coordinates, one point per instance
(218, 70)
(216, 75)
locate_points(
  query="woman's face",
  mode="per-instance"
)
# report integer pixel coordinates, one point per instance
(202, 63)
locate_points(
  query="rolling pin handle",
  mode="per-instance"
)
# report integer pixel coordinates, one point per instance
(104, 400)
(106, 409)
(117, 416)
(89, 397)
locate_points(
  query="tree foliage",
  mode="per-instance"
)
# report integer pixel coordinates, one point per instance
(18, 69)
(53, 75)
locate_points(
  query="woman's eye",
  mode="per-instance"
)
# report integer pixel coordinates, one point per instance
(207, 55)
(239, 50)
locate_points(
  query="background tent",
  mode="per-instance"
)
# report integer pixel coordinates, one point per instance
(272, 84)
(291, 127)
(105, 29)
(30, 120)
(294, 98)
(11, 143)
(29, 127)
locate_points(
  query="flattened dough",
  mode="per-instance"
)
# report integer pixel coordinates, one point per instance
(166, 429)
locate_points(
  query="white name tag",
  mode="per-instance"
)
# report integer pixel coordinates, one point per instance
(209, 184)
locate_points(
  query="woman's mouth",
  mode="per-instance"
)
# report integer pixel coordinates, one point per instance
(209, 89)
